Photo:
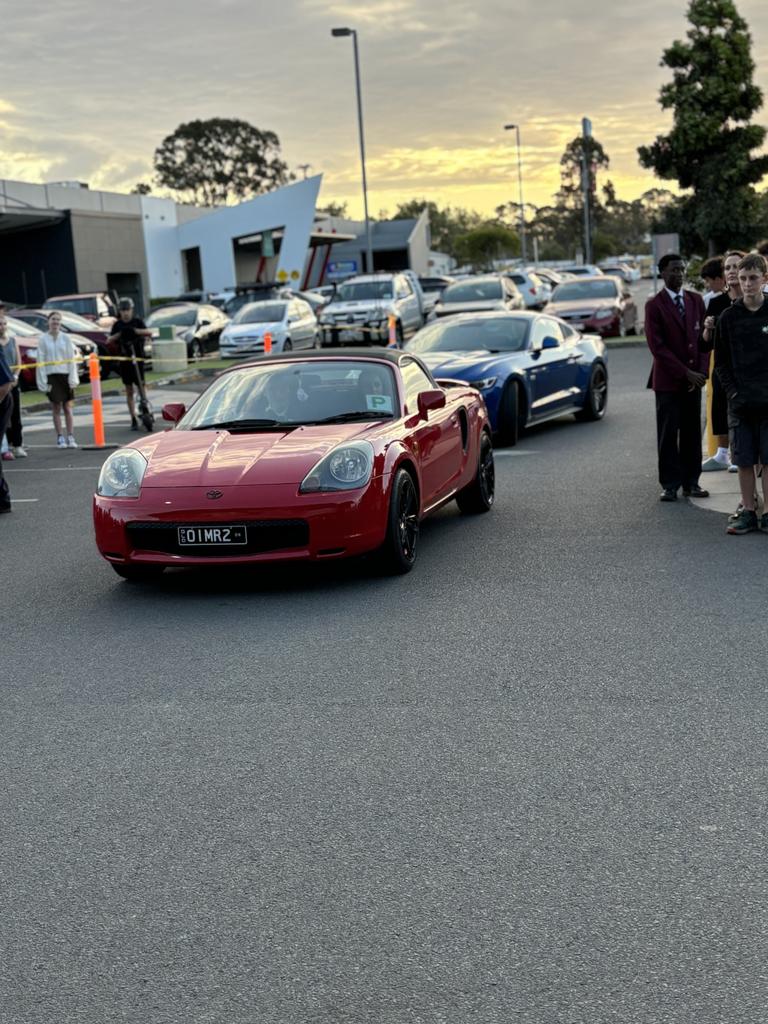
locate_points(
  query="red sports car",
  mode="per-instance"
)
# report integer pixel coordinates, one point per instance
(301, 456)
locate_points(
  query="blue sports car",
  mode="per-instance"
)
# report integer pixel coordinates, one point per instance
(529, 367)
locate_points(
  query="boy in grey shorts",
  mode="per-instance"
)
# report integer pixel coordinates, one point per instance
(741, 361)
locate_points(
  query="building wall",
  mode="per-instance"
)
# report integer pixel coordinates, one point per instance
(108, 244)
(161, 243)
(418, 245)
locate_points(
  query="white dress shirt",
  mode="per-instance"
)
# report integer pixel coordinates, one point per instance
(59, 350)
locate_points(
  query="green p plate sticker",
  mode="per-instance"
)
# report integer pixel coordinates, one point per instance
(378, 403)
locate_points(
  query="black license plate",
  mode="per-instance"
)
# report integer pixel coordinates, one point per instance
(190, 536)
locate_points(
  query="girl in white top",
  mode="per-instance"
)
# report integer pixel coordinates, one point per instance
(58, 381)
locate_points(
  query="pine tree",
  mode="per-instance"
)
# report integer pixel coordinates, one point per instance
(709, 149)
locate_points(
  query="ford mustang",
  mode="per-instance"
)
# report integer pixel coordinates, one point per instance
(297, 456)
(529, 367)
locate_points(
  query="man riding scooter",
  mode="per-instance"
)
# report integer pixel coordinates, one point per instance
(129, 332)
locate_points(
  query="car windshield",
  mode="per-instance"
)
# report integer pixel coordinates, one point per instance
(172, 316)
(74, 322)
(82, 306)
(473, 291)
(356, 291)
(497, 334)
(261, 313)
(236, 303)
(573, 291)
(294, 393)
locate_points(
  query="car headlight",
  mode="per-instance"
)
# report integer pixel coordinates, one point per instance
(122, 474)
(603, 314)
(484, 384)
(343, 469)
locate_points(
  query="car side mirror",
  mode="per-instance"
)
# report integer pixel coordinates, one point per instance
(550, 342)
(174, 411)
(429, 400)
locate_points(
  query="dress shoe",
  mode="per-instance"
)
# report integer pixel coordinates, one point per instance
(668, 494)
(695, 492)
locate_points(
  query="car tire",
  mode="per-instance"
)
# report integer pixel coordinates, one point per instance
(597, 395)
(317, 342)
(398, 553)
(510, 428)
(477, 497)
(138, 573)
(287, 346)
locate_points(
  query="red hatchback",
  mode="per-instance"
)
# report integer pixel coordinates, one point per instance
(303, 456)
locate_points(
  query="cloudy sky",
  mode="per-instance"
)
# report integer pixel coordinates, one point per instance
(89, 88)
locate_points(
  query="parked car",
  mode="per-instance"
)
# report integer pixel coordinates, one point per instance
(27, 338)
(433, 288)
(198, 325)
(617, 270)
(529, 367)
(551, 277)
(243, 294)
(290, 322)
(581, 270)
(96, 306)
(360, 310)
(486, 292)
(602, 305)
(72, 323)
(383, 447)
(535, 290)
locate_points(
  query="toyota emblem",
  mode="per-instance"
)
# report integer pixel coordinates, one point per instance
(213, 494)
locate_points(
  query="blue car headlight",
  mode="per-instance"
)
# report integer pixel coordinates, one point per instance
(345, 468)
(122, 474)
(485, 384)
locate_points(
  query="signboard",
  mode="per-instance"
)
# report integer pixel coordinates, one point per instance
(267, 245)
(341, 268)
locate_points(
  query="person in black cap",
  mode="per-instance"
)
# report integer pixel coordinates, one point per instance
(129, 332)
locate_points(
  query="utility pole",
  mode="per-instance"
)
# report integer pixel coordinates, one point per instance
(586, 135)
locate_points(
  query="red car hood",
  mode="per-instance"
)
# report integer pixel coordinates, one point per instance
(208, 458)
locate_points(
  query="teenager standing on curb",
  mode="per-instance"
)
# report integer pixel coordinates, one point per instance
(10, 349)
(6, 383)
(673, 326)
(719, 409)
(60, 380)
(741, 360)
(129, 332)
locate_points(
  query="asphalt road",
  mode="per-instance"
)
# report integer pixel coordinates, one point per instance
(526, 782)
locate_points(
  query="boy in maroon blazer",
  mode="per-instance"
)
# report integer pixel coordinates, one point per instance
(674, 322)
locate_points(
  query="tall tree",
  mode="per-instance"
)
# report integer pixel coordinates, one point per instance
(220, 161)
(709, 149)
(445, 224)
(486, 243)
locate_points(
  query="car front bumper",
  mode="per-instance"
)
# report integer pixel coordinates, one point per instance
(292, 527)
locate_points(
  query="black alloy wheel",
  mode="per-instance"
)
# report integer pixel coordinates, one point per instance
(597, 395)
(398, 552)
(478, 496)
(287, 346)
(510, 423)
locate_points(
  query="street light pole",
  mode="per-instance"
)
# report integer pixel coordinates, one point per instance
(523, 241)
(336, 32)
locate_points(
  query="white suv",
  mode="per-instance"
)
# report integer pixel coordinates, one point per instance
(359, 311)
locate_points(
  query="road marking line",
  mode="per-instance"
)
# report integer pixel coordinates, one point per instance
(15, 501)
(509, 455)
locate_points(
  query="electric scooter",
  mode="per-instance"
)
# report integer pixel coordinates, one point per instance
(146, 415)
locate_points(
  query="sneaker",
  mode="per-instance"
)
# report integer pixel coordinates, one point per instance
(712, 464)
(71, 442)
(19, 451)
(763, 524)
(8, 456)
(744, 522)
(733, 469)
(61, 441)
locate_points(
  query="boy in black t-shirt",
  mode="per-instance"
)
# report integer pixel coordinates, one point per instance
(741, 360)
(129, 332)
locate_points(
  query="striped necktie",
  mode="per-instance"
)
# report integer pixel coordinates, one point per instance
(680, 305)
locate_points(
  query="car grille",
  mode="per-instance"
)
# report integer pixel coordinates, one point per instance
(584, 315)
(263, 535)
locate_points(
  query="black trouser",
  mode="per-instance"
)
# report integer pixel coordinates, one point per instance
(13, 431)
(718, 419)
(6, 406)
(678, 431)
